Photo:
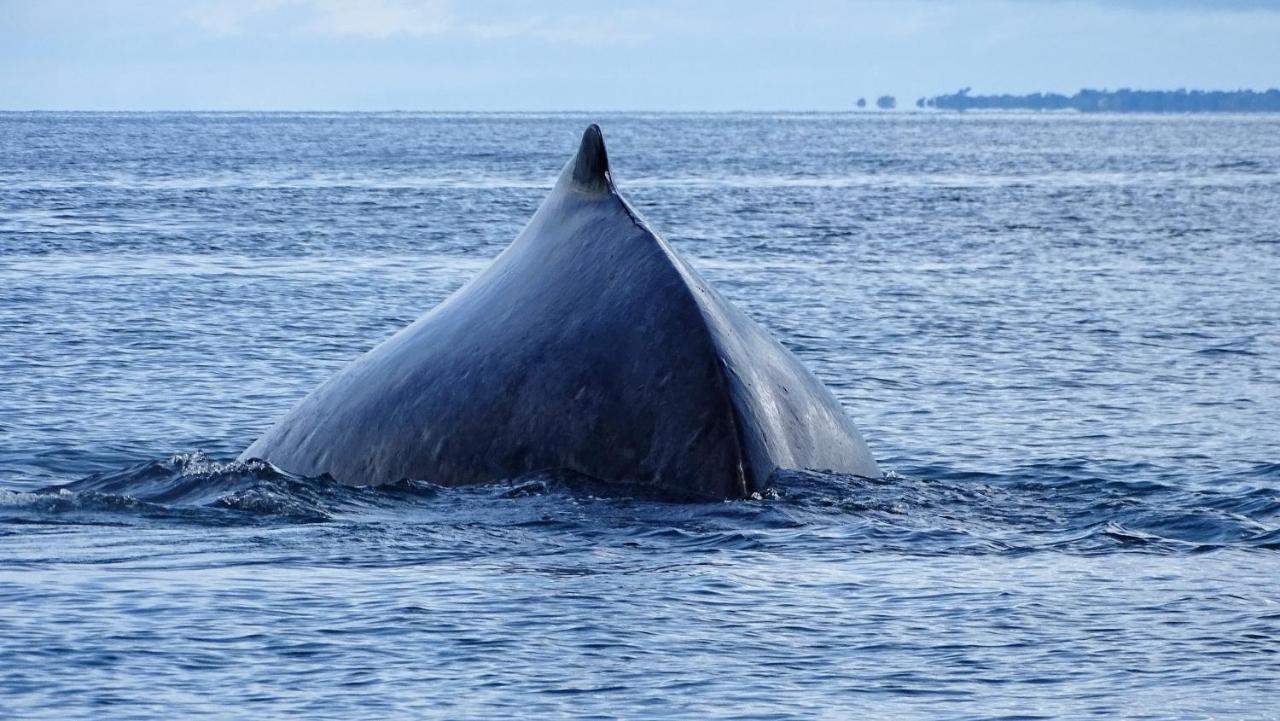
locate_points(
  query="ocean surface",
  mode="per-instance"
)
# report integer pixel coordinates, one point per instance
(1059, 334)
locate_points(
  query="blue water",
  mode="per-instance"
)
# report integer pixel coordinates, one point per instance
(1059, 334)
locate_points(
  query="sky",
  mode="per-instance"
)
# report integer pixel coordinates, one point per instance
(554, 55)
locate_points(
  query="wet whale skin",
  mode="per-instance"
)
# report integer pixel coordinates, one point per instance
(588, 345)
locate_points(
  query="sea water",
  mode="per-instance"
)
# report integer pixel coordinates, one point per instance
(1058, 334)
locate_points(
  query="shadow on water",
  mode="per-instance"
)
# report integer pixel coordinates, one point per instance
(1071, 506)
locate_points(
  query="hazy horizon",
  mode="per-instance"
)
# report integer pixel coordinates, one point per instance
(441, 56)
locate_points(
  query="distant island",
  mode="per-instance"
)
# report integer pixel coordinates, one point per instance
(884, 102)
(1123, 100)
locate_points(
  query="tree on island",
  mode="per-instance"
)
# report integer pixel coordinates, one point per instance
(1123, 100)
(862, 102)
(886, 102)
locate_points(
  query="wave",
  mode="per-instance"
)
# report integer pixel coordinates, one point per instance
(1062, 506)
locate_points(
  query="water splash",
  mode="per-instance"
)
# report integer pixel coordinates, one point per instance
(1063, 507)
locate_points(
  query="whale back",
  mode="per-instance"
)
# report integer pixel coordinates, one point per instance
(589, 346)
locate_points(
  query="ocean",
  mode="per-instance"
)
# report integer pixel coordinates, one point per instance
(1058, 333)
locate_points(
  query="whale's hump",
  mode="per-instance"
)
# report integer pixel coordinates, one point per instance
(589, 345)
(589, 168)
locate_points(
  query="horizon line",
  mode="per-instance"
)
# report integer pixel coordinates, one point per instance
(905, 110)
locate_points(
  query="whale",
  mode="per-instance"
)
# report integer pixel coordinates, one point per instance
(588, 346)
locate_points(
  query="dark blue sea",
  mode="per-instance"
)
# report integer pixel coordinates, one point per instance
(1059, 334)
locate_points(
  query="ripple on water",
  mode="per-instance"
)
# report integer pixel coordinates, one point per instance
(1058, 332)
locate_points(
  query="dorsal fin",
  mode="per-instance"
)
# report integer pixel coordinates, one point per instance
(590, 167)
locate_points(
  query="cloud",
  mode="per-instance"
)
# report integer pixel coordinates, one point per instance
(226, 17)
(1205, 5)
(357, 18)
(381, 19)
(1197, 6)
